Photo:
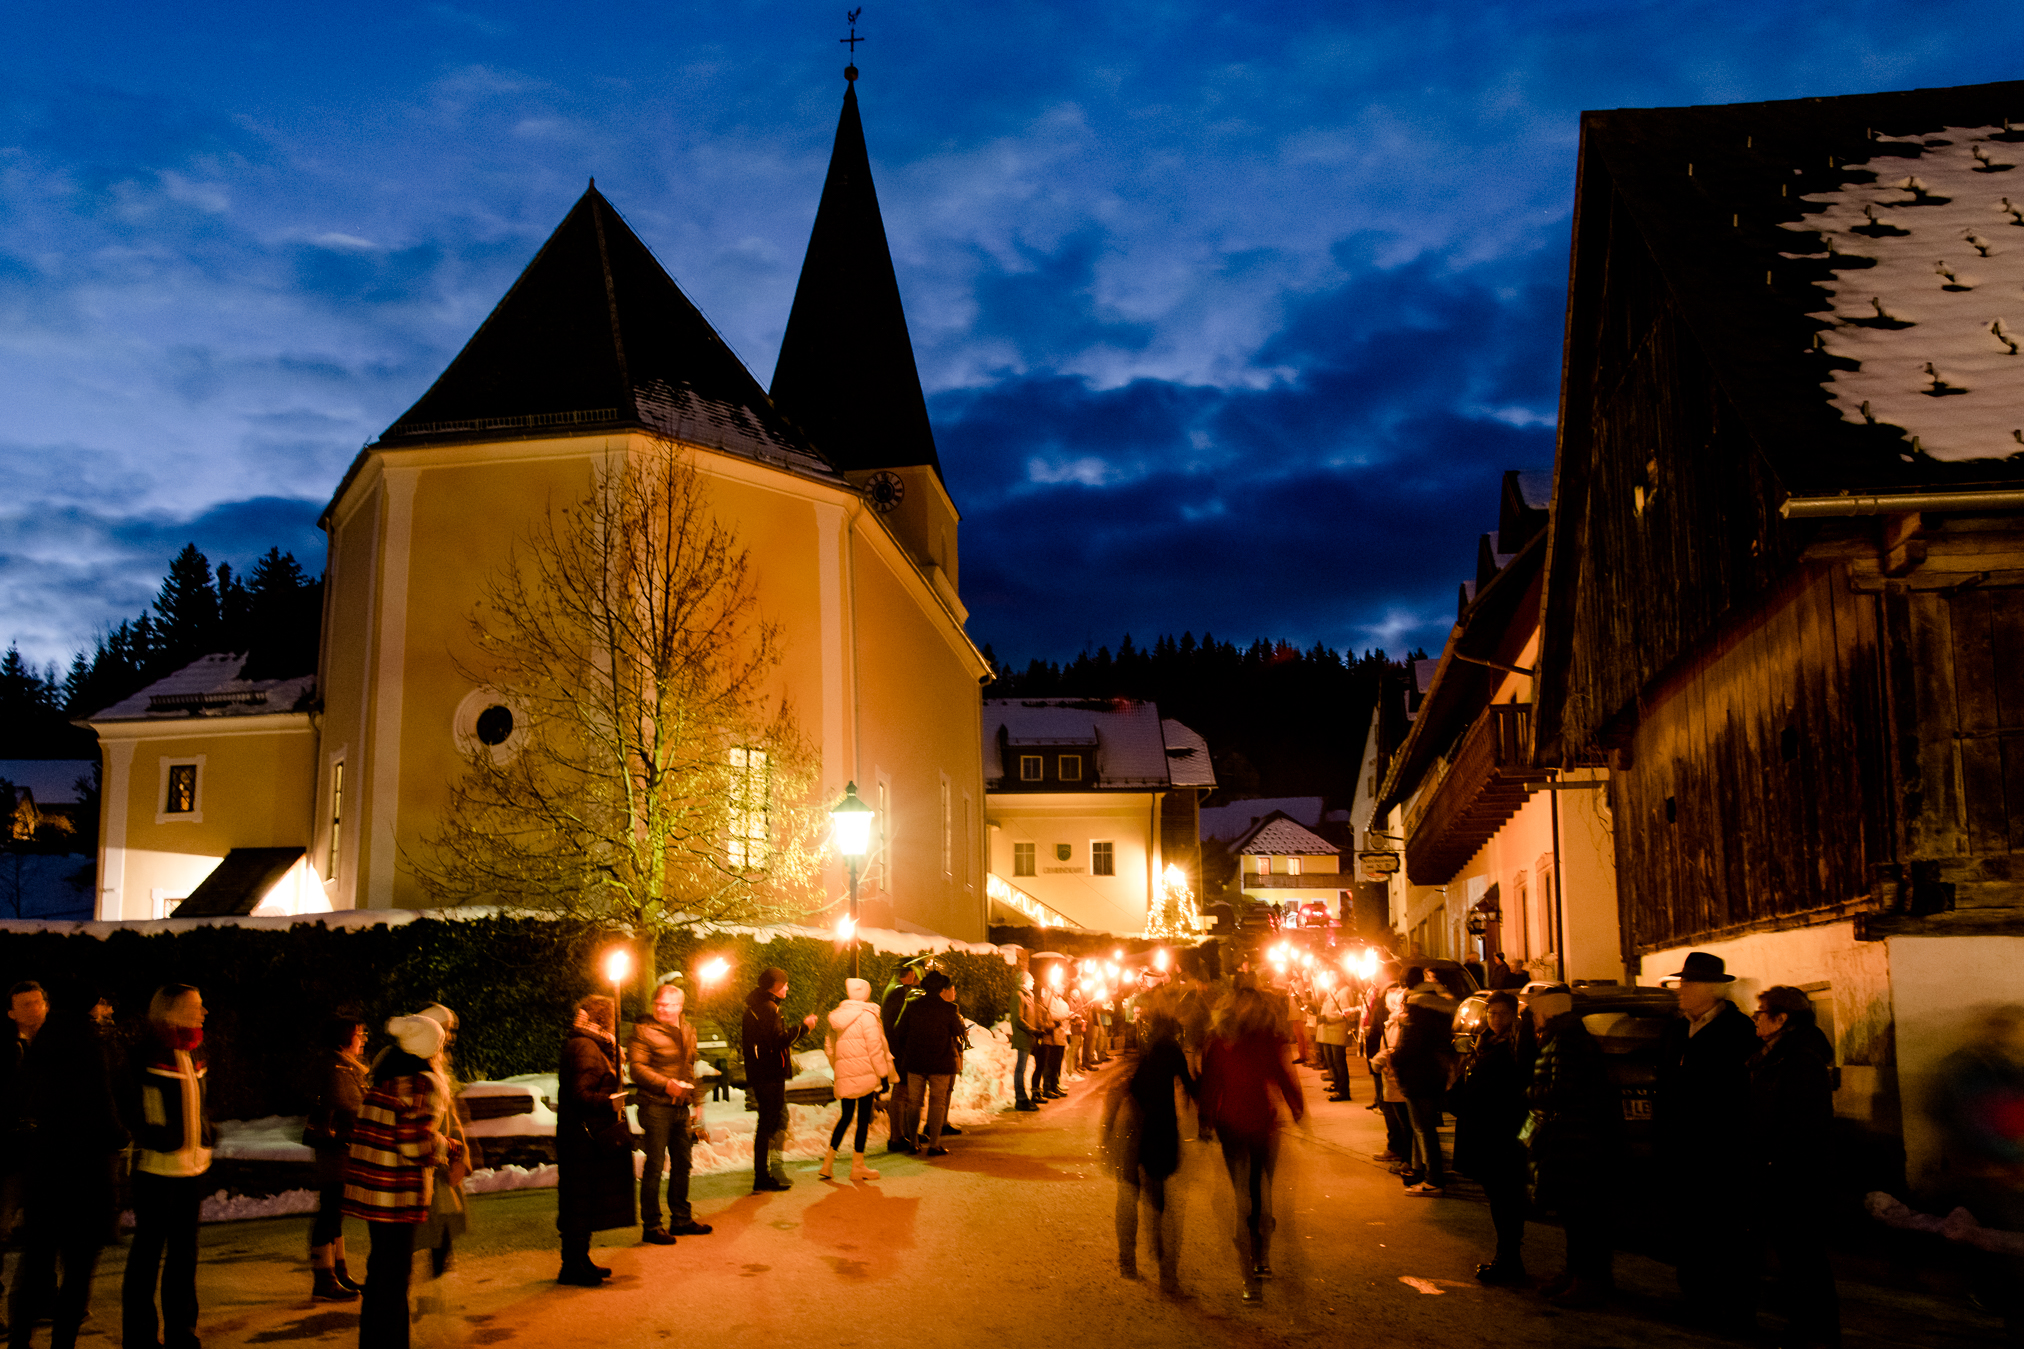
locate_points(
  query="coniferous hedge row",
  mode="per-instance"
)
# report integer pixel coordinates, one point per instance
(512, 981)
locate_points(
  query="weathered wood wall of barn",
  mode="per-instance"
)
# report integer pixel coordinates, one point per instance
(1757, 792)
(1681, 523)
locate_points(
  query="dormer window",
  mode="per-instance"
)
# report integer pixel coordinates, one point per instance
(1071, 768)
(1031, 768)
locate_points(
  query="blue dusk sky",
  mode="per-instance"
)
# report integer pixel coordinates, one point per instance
(1229, 316)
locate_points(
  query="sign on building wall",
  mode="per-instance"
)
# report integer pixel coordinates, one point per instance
(1376, 867)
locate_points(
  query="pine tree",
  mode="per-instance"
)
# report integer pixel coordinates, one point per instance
(187, 607)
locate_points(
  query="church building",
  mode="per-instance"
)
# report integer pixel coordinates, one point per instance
(285, 796)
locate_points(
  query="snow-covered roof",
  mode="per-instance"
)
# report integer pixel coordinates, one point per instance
(1281, 837)
(210, 686)
(52, 781)
(1127, 742)
(1188, 763)
(1535, 487)
(1926, 245)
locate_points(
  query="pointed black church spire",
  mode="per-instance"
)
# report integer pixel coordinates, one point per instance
(846, 373)
(596, 334)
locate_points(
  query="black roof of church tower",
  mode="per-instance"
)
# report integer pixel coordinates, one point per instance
(596, 335)
(846, 373)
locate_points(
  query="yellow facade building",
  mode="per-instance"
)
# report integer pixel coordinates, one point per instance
(830, 481)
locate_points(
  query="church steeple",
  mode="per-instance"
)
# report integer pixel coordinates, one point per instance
(846, 373)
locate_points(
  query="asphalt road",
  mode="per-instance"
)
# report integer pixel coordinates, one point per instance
(1008, 1241)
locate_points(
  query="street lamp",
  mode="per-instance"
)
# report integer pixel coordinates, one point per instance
(618, 963)
(853, 836)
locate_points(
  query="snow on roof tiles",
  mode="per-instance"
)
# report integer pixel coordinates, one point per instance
(1285, 838)
(210, 686)
(1188, 762)
(1131, 748)
(1928, 291)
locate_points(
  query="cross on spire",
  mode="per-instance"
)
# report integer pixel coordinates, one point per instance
(853, 39)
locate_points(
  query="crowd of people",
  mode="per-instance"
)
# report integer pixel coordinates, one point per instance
(1742, 1107)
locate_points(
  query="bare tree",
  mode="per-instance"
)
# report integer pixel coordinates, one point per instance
(633, 770)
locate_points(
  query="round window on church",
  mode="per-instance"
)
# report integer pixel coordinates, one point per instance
(488, 721)
(495, 723)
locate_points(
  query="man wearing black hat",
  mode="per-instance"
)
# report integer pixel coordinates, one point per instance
(769, 1063)
(1701, 1116)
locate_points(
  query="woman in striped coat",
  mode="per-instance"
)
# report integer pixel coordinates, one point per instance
(396, 1146)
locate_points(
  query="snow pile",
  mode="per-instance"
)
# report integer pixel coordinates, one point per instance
(271, 1138)
(496, 1180)
(1929, 291)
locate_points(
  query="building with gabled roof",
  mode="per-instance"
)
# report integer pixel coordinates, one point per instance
(592, 355)
(1783, 589)
(1089, 802)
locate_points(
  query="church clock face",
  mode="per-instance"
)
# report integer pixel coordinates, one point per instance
(884, 490)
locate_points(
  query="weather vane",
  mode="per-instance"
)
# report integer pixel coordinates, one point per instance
(850, 71)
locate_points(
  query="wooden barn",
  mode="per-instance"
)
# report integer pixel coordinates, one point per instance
(1783, 591)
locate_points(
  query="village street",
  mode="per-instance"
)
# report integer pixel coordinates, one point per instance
(1007, 1241)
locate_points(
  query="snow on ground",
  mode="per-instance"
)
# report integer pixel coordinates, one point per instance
(1929, 291)
(982, 1090)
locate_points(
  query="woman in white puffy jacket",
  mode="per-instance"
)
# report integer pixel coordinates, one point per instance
(858, 1056)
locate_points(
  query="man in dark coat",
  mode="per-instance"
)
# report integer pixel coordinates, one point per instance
(662, 1057)
(892, 1014)
(1497, 971)
(932, 1058)
(1791, 1115)
(76, 1135)
(1574, 1130)
(1490, 1109)
(27, 1008)
(1700, 1113)
(769, 1062)
(1375, 1013)
(593, 1142)
(1420, 1062)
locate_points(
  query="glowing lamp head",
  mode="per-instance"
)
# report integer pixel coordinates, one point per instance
(1175, 877)
(846, 928)
(713, 969)
(618, 964)
(852, 818)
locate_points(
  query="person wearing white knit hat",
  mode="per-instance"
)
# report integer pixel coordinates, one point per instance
(448, 1217)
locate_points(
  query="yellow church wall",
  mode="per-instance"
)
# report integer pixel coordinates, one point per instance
(417, 534)
(920, 717)
(255, 787)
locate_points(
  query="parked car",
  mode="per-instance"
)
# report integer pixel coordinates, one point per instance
(1626, 1020)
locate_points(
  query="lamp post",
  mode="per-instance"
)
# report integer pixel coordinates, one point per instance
(853, 836)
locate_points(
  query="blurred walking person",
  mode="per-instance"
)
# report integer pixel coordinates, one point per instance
(1242, 1068)
(662, 1058)
(1490, 1110)
(1791, 1119)
(74, 1139)
(171, 1125)
(1421, 1059)
(1573, 1130)
(1978, 1101)
(340, 1097)
(593, 1142)
(861, 1066)
(397, 1142)
(1142, 1136)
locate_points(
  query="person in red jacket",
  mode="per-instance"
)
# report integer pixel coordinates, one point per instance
(1243, 1067)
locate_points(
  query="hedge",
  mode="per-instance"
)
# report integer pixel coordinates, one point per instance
(512, 982)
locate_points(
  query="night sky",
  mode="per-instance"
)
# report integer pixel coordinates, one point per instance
(1229, 317)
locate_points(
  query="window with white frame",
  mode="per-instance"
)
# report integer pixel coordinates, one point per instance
(1022, 859)
(1293, 866)
(180, 796)
(948, 829)
(336, 815)
(1071, 768)
(1103, 858)
(750, 801)
(969, 842)
(1032, 768)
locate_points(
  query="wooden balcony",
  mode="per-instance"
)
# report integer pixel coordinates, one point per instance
(1482, 784)
(1306, 880)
